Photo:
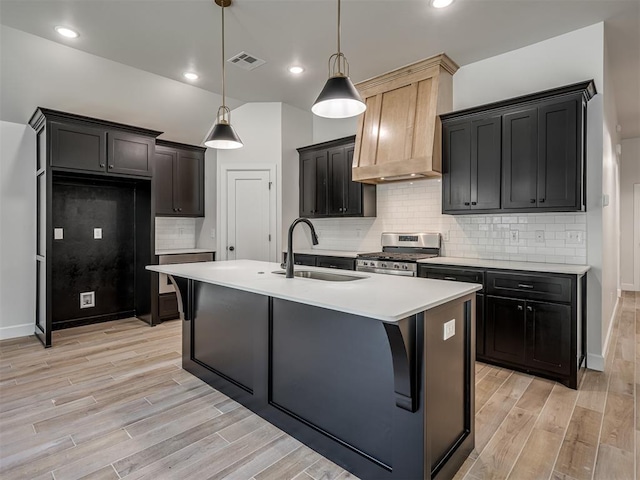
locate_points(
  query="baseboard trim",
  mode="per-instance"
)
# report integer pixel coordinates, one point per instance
(16, 331)
(595, 362)
(629, 287)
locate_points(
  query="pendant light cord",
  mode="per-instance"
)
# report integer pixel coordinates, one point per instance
(223, 66)
(339, 27)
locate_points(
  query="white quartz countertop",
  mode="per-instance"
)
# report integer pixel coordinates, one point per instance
(180, 251)
(509, 265)
(384, 297)
(328, 253)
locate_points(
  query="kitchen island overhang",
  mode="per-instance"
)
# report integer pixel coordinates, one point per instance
(359, 371)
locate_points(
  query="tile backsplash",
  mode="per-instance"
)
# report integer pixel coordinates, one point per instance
(173, 233)
(416, 207)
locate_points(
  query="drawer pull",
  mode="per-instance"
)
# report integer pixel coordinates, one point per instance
(519, 307)
(530, 308)
(524, 285)
(450, 278)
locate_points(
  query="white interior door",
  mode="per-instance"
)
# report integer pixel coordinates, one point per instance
(249, 215)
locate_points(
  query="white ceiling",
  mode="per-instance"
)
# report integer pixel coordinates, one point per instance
(168, 37)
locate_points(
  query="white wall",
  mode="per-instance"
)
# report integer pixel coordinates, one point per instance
(205, 225)
(296, 132)
(325, 129)
(629, 175)
(611, 211)
(17, 230)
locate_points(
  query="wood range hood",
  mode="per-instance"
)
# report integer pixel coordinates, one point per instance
(399, 136)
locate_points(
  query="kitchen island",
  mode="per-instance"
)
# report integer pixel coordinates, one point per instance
(359, 370)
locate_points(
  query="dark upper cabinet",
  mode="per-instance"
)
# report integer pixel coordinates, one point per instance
(78, 147)
(520, 158)
(130, 154)
(559, 169)
(471, 169)
(520, 155)
(96, 146)
(313, 183)
(326, 185)
(179, 179)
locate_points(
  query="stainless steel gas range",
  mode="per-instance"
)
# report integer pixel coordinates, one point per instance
(400, 253)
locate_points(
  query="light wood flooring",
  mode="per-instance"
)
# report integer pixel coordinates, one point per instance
(110, 401)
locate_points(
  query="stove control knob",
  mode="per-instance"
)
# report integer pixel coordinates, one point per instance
(383, 265)
(405, 267)
(395, 265)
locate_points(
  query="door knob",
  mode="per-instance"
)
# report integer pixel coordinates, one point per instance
(232, 248)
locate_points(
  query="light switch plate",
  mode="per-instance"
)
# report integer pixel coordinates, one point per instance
(97, 233)
(514, 235)
(449, 329)
(539, 236)
(58, 233)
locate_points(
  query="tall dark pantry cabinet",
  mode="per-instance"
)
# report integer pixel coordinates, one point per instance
(95, 222)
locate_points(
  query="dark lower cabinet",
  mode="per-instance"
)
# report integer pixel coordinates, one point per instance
(341, 263)
(505, 330)
(528, 321)
(168, 306)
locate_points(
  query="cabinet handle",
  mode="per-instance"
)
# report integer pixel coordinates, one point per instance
(179, 209)
(524, 285)
(529, 308)
(533, 200)
(102, 165)
(466, 203)
(541, 200)
(519, 307)
(110, 166)
(474, 203)
(450, 278)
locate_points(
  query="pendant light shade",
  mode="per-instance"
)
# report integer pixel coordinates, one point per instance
(339, 98)
(223, 136)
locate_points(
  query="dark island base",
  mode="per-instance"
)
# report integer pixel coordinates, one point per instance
(352, 388)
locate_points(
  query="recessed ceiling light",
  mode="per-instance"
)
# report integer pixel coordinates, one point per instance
(441, 3)
(67, 32)
(190, 75)
(296, 69)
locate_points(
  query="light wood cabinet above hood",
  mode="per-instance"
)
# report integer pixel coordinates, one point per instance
(399, 136)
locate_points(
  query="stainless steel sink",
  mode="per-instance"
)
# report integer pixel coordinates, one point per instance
(326, 276)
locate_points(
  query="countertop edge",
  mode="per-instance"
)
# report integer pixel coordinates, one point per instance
(568, 269)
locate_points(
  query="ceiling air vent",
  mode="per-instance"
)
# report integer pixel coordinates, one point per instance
(246, 60)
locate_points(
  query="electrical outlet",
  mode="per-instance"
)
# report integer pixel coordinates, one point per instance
(574, 237)
(539, 236)
(87, 299)
(358, 233)
(514, 235)
(58, 233)
(449, 329)
(446, 236)
(97, 233)
(213, 233)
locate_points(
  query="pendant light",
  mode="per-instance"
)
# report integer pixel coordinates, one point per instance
(223, 136)
(339, 98)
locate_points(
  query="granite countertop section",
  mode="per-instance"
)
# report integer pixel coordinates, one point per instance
(388, 298)
(509, 265)
(328, 253)
(178, 251)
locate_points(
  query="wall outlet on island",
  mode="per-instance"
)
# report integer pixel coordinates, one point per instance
(87, 299)
(449, 329)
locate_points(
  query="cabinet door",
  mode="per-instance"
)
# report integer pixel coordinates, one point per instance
(456, 168)
(336, 262)
(188, 192)
(548, 337)
(78, 147)
(314, 170)
(130, 154)
(558, 177)
(337, 181)
(505, 329)
(163, 180)
(520, 159)
(485, 163)
(353, 193)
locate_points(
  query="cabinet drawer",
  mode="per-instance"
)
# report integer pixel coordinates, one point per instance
(168, 306)
(530, 286)
(453, 274)
(336, 262)
(301, 259)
